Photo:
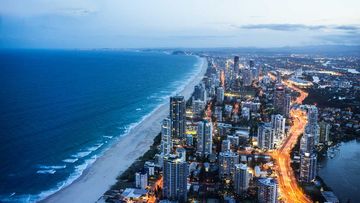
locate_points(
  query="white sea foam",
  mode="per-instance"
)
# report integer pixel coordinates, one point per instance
(46, 171)
(70, 160)
(138, 109)
(35, 198)
(96, 147)
(109, 137)
(81, 154)
(51, 167)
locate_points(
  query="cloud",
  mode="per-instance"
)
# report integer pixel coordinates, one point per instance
(296, 27)
(197, 37)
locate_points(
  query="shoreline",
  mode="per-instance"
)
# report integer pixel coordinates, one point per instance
(115, 160)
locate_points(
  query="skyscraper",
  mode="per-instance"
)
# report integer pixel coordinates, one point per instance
(324, 132)
(287, 105)
(279, 99)
(247, 77)
(268, 190)
(307, 143)
(220, 95)
(198, 108)
(236, 66)
(313, 129)
(308, 167)
(177, 116)
(227, 161)
(200, 92)
(204, 138)
(312, 113)
(166, 141)
(278, 126)
(175, 179)
(265, 136)
(241, 179)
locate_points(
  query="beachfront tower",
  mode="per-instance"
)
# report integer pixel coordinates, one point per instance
(177, 116)
(166, 141)
(175, 179)
(204, 138)
(141, 179)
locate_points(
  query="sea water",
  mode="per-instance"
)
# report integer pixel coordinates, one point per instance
(60, 109)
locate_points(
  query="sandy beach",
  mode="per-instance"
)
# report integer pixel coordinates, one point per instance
(98, 178)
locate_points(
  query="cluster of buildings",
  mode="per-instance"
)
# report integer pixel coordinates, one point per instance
(206, 142)
(218, 144)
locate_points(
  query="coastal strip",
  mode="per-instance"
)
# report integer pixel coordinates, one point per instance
(98, 178)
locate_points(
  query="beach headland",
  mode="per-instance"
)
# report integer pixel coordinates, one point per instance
(102, 174)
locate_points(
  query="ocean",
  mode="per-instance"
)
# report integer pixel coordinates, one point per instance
(61, 109)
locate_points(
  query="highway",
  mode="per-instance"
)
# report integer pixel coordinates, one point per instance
(289, 189)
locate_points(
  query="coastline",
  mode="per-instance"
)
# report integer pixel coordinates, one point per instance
(102, 174)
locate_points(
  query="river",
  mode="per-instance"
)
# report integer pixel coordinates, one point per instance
(342, 172)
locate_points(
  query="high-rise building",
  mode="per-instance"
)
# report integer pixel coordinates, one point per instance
(166, 141)
(307, 143)
(268, 190)
(278, 126)
(220, 95)
(218, 113)
(236, 66)
(312, 114)
(225, 145)
(265, 136)
(324, 132)
(175, 173)
(198, 108)
(227, 161)
(279, 98)
(177, 116)
(247, 77)
(278, 77)
(204, 138)
(141, 179)
(313, 129)
(308, 167)
(287, 105)
(254, 73)
(241, 179)
(200, 92)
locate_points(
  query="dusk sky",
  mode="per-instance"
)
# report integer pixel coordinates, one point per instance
(177, 23)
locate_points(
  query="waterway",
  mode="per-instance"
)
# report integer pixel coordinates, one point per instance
(341, 171)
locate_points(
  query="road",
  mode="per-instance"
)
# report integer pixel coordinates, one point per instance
(289, 189)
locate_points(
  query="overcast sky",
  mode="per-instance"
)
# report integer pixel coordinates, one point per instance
(177, 23)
